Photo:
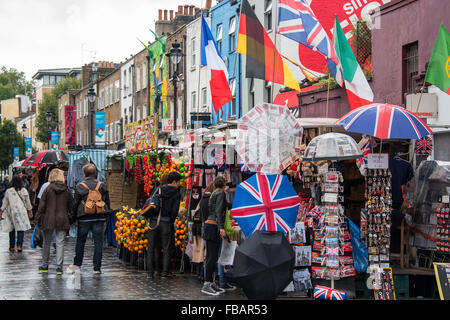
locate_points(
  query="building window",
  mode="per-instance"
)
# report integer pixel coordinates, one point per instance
(144, 75)
(118, 131)
(144, 111)
(124, 83)
(193, 53)
(233, 94)
(129, 82)
(219, 38)
(251, 95)
(138, 113)
(267, 91)
(107, 134)
(268, 15)
(204, 98)
(410, 67)
(194, 101)
(111, 133)
(117, 87)
(104, 94)
(138, 79)
(232, 34)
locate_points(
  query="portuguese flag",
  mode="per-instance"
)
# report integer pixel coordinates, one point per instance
(358, 90)
(263, 60)
(438, 72)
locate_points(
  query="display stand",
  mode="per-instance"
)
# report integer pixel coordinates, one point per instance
(376, 228)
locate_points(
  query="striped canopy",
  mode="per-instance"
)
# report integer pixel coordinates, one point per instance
(385, 121)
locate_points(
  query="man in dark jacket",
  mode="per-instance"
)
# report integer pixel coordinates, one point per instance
(89, 222)
(164, 232)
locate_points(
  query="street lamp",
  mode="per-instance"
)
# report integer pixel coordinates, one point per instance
(175, 55)
(48, 117)
(91, 98)
(24, 129)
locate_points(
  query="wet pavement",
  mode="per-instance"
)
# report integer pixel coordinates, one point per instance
(20, 279)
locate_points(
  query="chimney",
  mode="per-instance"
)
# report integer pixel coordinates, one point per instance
(159, 14)
(191, 10)
(165, 15)
(208, 4)
(186, 8)
(171, 15)
(180, 10)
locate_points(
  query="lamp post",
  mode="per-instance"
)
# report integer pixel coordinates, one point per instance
(91, 98)
(175, 57)
(24, 129)
(48, 117)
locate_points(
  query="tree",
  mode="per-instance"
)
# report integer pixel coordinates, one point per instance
(50, 103)
(13, 82)
(8, 142)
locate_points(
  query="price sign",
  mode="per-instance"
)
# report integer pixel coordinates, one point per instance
(377, 161)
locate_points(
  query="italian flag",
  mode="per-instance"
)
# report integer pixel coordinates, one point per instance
(438, 72)
(358, 89)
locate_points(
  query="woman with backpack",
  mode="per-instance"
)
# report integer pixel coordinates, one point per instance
(53, 214)
(16, 212)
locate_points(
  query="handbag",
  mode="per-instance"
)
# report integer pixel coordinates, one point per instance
(227, 225)
(227, 252)
(159, 206)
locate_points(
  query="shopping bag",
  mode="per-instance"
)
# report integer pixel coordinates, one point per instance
(32, 244)
(227, 252)
(227, 225)
(37, 237)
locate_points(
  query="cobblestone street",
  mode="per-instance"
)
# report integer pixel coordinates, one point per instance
(20, 279)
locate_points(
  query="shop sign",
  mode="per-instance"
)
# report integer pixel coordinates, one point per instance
(167, 125)
(377, 161)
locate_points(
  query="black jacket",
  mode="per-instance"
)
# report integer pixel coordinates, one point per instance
(81, 194)
(217, 208)
(170, 203)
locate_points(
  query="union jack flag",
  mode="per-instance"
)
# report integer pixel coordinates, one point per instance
(219, 157)
(331, 251)
(265, 202)
(297, 21)
(324, 293)
(424, 146)
(366, 144)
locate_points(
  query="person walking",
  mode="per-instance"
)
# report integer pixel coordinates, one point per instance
(82, 212)
(162, 229)
(213, 233)
(16, 211)
(55, 207)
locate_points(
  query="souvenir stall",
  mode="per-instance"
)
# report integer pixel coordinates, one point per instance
(385, 173)
(332, 251)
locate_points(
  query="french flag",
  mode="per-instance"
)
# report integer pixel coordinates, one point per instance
(210, 56)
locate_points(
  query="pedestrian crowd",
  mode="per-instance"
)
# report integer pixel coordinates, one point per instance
(88, 207)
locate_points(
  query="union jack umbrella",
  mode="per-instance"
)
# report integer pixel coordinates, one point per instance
(385, 121)
(265, 202)
(325, 293)
(424, 146)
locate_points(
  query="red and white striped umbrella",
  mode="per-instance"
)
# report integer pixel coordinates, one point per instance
(385, 121)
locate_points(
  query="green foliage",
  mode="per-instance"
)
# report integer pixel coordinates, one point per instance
(13, 82)
(8, 142)
(50, 103)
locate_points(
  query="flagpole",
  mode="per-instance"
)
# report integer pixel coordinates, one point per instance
(328, 95)
(236, 54)
(199, 67)
(274, 49)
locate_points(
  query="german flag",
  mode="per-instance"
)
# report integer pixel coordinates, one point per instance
(263, 60)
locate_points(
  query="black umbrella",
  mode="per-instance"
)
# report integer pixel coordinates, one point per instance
(264, 265)
(46, 157)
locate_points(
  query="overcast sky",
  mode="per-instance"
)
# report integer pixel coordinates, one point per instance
(48, 34)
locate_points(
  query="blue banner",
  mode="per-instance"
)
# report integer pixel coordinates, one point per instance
(55, 140)
(28, 147)
(16, 154)
(99, 128)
